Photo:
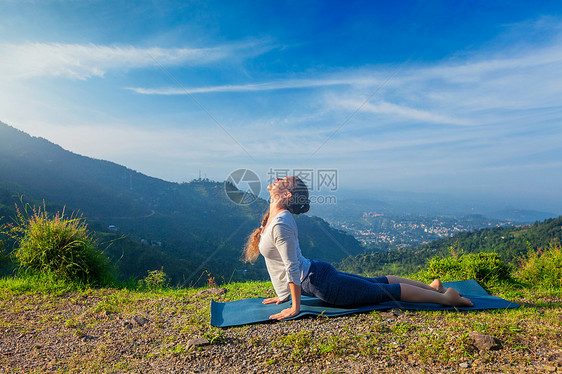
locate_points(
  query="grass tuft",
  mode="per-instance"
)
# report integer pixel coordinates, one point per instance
(57, 245)
(543, 267)
(156, 279)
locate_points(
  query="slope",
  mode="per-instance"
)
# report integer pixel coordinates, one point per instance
(189, 228)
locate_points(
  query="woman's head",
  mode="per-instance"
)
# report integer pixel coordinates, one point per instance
(290, 193)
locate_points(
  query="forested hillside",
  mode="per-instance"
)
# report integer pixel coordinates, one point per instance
(511, 243)
(144, 223)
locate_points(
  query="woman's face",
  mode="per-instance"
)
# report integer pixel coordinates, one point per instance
(280, 186)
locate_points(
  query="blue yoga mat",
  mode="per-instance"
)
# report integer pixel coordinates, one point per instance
(243, 312)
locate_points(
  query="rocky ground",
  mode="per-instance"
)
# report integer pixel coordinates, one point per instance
(122, 331)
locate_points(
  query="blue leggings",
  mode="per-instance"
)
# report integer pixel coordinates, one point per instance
(333, 287)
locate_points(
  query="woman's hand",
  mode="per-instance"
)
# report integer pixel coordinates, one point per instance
(272, 300)
(285, 313)
(294, 309)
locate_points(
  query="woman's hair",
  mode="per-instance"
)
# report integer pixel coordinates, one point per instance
(298, 203)
(252, 251)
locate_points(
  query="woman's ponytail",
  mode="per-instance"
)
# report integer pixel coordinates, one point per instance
(252, 251)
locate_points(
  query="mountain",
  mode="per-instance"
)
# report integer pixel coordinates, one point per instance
(191, 229)
(352, 204)
(521, 215)
(510, 243)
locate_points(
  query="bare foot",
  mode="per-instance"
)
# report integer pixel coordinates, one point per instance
(454, 298)
(438, 286)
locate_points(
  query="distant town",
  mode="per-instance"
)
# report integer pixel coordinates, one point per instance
(376, 229)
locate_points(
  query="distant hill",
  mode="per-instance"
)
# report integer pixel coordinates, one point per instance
(508, 242)
(521, 215)
(352, 204)
(188, 228)
(511, 243)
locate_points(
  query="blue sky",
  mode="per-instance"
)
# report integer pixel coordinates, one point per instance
(433, 96)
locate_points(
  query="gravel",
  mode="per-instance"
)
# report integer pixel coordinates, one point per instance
(87, 333)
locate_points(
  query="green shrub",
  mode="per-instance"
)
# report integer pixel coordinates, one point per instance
(155, 279)
(543, 267)
(486, 268)
(57, 245)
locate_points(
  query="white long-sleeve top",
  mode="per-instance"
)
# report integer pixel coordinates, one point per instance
(279, 245)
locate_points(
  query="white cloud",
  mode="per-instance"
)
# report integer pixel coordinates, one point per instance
(484, 89)
(83, 61)
(484, 67)
(399, 111)
(478, 70)
(265, 86)
(501, 95)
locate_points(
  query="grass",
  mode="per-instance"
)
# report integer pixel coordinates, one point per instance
(177, 315)
(57, 245)
(39, 283)
(543, 267)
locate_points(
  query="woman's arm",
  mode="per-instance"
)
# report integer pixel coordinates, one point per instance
(296, 301)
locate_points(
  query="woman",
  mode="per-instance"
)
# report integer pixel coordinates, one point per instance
(293, 275)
